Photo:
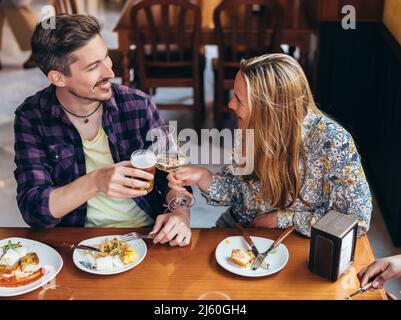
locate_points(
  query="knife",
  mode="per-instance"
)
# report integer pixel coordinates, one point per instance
(248, 239)
(361, 290)
(72, 246)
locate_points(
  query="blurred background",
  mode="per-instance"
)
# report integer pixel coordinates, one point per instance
(354, 68)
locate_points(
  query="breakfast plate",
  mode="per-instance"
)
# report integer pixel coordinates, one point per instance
(26, 265)
(115, 256)
(277, 259)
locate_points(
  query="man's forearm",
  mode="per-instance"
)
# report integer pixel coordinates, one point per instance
(65, 199)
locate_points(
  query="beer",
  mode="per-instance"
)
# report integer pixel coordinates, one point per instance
(144, 160)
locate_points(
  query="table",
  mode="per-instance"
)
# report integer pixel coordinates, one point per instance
(298, 29)
(188, 272)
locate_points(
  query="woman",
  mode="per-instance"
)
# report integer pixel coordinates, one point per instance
(305, 163)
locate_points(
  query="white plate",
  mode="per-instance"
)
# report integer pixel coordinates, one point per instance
(49, 259)
(138, 245)
(277, 259)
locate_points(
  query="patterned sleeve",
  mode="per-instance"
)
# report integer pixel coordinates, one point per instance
(349, 190)
(32, 173)
(224, 189)
(344, 182)
(302, 220)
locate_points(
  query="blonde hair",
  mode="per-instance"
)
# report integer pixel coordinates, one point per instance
(279, 97)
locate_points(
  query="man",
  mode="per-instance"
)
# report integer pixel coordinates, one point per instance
(73, 137)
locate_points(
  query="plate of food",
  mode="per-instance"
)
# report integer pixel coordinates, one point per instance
(26, 265)
(235, 255)
(114, 257)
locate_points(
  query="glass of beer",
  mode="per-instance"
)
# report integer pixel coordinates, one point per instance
(144, 160)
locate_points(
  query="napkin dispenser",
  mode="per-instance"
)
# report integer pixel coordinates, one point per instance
(332, 246)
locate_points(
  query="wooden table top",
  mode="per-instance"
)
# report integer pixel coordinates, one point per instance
(296, 18)
(186, 273)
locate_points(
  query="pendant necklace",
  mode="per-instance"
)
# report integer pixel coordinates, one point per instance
(82, 117)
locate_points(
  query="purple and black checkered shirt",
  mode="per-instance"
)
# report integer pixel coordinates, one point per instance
(49, 152)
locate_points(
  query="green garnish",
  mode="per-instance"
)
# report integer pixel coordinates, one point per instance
(11, 245)
(87, 265)
(8, 246)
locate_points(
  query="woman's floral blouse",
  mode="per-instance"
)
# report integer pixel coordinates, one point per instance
(334, 180)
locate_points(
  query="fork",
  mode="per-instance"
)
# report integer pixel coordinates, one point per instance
(261, 257)
(134, 236)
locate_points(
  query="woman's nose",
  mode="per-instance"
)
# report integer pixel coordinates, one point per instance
(231, 105)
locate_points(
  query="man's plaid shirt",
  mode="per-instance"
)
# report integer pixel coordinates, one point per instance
(49, 152)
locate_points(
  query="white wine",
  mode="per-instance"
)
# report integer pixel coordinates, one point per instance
(169, 162)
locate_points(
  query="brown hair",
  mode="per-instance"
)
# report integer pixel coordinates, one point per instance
(279, 97)
(52, 48)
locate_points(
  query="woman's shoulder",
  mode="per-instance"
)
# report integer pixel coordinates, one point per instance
(321, 128)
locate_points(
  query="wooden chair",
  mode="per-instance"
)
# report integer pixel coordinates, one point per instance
(166, 34)
(70, 7)
(65, 6)
(244, 29)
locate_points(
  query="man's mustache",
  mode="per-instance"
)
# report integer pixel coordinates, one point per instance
(103, 80)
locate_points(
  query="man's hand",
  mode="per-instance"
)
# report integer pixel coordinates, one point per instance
(119, 181)
(173, 227)
(265, 220)
(380, 271)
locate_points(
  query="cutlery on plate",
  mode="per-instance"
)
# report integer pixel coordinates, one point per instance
(261, 257)
(73, 246)
(83, 247)
(134, 236)
(361, 290)
(247, 238)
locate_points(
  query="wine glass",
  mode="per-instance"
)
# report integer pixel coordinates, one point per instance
(52, 290)
(56, 292)
(214, 295)
(170, 157)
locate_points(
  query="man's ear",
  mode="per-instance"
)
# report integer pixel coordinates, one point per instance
(57, 78)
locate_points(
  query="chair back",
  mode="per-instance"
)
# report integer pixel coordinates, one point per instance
(246, 28)
(166, 34)
(65, 6)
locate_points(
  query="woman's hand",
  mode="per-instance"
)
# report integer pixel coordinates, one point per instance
(265, 220)
(189, 176)
(380, 271)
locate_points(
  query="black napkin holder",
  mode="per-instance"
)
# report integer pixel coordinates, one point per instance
(332, 246)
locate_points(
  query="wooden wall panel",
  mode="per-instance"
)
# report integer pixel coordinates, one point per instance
(330, 10)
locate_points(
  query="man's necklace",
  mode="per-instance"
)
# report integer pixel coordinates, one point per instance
(82, 117)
